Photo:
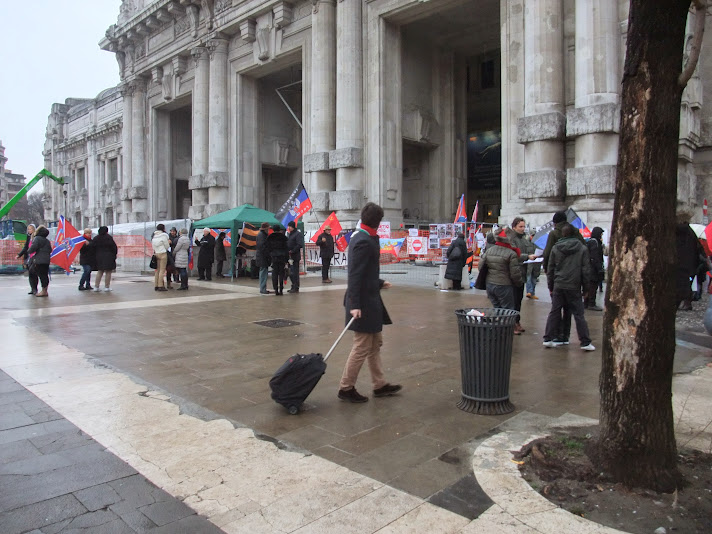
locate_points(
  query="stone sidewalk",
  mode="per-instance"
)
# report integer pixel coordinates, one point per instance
(176, 385)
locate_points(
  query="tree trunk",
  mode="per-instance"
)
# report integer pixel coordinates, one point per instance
(637, 431)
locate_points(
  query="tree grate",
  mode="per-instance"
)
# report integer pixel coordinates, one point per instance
(277, 323)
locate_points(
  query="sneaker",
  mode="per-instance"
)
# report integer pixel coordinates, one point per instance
(107, 289)
(351, 395)
(588, 347)
(387, 390)
(550, 344)
(560, 342)
(97, 289)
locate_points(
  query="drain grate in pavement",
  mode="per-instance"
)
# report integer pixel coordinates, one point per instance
(277, 323)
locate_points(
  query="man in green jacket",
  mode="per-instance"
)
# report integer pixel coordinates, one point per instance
(567, 273)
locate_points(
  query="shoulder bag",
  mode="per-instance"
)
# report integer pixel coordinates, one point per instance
(481, 282)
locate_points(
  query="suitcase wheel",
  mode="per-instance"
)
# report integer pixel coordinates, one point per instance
(293, 410)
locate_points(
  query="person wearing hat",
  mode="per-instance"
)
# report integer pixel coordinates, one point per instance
(326, 251)
(262, 258)
(279, 254)
(206, 256)
(595, 257)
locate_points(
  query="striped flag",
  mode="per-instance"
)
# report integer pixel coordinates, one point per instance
(460, 215)
(296, 205)
(248, 240)
(66, 245)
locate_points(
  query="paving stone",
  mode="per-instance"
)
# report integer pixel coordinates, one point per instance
(117, 526)
(136, 491)
(189, 525)
(16, 451)
(166, 512)
(15, 397)
(465, 497)
(14, 420)
(34, 431)
(97, 497)
(58, 441)
(137, 521)
(40, 514)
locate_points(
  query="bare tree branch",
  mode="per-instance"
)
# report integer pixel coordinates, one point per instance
(697, 34)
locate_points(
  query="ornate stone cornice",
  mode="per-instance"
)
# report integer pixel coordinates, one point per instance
(199, 53)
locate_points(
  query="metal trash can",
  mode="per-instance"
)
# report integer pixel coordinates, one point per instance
(486, 359)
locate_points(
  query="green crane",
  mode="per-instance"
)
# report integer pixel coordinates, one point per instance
(44, 173)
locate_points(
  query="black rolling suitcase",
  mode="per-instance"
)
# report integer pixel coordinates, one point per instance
(295, 380)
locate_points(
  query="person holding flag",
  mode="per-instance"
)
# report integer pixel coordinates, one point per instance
(39, 254)
(326, 251)
(295, 244)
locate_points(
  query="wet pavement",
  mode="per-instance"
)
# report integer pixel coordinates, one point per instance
(206, 352)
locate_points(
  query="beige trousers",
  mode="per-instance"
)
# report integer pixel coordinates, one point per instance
(366, 346)
(107, 278)
(160, 276)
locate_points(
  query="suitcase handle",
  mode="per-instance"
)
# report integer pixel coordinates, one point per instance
(339, 339)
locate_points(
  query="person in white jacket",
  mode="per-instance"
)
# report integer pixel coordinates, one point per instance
(161, 243)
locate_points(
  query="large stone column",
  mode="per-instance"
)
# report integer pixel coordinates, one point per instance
(127, 94)
(542, 128)
(347, 159)
(138, 192)
(323, 103)
(217, 178)
(200, 133)
(594, 121)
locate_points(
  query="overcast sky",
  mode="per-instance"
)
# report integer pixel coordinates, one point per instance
(50, 52)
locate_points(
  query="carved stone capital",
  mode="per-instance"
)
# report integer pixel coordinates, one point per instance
(316, 162)
(217, 46)
(138, 85)
(126, 90)
(216, 179)
(593, 180)
(593, 119)
(541, 184)
(199, 53)
(247, 30)
(346, 157)
(543, 127)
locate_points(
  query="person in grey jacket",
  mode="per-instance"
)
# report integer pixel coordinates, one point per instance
(181, 250)
(567, 274)
(503, 272)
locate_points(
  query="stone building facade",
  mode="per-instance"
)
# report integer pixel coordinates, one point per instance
(10, 182)
(402, 102)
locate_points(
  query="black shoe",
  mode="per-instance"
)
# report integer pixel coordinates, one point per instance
(161, 289)
(351, 395)
(155, 288)
(293, 290)
(81, 288)
(387, 390)
(181, 289)
(265, 292)
(201, 278)
(88, 288)
(33, 292)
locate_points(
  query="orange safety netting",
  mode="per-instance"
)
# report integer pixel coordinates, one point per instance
(9, 249)
(133, 246)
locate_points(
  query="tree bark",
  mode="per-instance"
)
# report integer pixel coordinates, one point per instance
(637, 431)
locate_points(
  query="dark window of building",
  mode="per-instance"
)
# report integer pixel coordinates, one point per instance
(487, 74)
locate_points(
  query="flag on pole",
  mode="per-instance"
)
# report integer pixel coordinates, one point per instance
(248, 240)
(474, 213)
(296, 205)
(66, 245)
(332, 221)
(460, 215)
(215, 232)
(542, 235)
(190, 256)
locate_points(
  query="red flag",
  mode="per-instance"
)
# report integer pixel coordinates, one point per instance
(474, 213)
(66, 244)
(332, 221)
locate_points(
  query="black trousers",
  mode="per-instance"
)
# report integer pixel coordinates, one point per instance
(41, 275)
(278, 273)
(294, 274)
(205, 271)
(572, 300)
(325, 265)
(219, 267)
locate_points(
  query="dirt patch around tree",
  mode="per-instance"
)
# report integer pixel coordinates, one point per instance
(559, 468)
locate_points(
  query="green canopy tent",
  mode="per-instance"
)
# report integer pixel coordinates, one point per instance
(233, 220)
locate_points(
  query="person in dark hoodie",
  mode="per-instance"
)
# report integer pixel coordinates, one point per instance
(595, 255)
(106, 251)
(279, 253)
(567, 273)
(456, 259)
(39, 253)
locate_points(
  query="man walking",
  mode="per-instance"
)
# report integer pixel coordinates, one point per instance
(567, 273)
(295, 244)
(262, 258)
(326, 251)
(363, 301)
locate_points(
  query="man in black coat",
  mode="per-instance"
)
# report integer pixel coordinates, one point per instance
(277, 246)
(326, 251)
(363, 302)
(595, 256)
(206, 256)
(295, 244)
